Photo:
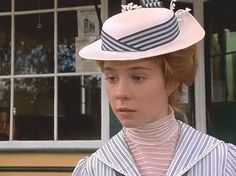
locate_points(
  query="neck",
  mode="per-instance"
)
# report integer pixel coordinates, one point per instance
(154, 133)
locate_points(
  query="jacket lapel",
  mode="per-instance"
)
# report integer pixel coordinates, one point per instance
(192, 144)
(116, 155)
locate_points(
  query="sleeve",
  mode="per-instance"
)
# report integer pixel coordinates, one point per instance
(91, 166)
(231, 160)
(80, 169)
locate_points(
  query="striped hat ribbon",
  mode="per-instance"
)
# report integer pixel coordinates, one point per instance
(143, 40)
(151, 3)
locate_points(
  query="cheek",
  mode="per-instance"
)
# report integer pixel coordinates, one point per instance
(154, 95)
(110, 93)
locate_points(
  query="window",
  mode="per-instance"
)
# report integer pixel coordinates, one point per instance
(5, 5)
(45, 101)
(221, 70)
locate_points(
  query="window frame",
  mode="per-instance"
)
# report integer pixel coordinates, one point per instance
(55, 143)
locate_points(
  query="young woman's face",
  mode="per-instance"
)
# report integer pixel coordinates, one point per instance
(136, 91)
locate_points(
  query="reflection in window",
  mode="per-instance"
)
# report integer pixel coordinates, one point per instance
(33, 105)
(5, 48)
(66, 41)
(5, 5)
(221, 69)
(34, 45)
(79, 108)
(21, 5)
(231, 65)
(4, 108)
(73, 3)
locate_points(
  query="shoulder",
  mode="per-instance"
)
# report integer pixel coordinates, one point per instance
(198, 143)
(223, 154)
(91, 166)
(231, 151)
(81, 168)
(231, 160)
(190, 134)
(203, 144)
(99, 161)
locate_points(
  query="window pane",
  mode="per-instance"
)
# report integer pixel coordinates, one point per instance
(79, 108)
(66, 41)
(4, 108)
(33, 109)
(221, 69)
(5, 5)
(73, 3)
(21, 5)
(34, 44)
(5, 48)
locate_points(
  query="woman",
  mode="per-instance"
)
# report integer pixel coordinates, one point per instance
(145, 63)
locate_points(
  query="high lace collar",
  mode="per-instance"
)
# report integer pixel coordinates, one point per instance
(155, 133)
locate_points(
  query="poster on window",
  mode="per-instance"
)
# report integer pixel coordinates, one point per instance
(88, 32)
(83, 65)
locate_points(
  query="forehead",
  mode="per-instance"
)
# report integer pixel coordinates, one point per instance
(129, 64)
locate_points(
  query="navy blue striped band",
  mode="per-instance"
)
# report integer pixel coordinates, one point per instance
(151, 3)
(143, 40)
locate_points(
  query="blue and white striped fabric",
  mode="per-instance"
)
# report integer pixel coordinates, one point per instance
(151, 3)
(197, 154)
(143, 40)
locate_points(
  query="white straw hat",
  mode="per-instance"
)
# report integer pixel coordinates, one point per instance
(144, 32)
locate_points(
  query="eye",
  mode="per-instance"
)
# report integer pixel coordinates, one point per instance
(111, 79)
(138, 79)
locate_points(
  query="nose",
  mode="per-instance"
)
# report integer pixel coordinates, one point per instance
(122, 90)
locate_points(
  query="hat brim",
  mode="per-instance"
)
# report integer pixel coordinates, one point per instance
(191, 32)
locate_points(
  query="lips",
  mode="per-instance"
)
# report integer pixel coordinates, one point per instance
(125, 110)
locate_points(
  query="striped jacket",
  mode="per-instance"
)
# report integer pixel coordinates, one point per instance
(197, 154)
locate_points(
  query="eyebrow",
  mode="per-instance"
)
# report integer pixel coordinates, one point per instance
(107, 69)
(139, 68)
(130, 69)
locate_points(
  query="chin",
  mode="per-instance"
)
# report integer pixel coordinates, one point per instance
(129, 125)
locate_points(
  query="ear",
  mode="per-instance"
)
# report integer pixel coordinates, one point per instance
(172, 86)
